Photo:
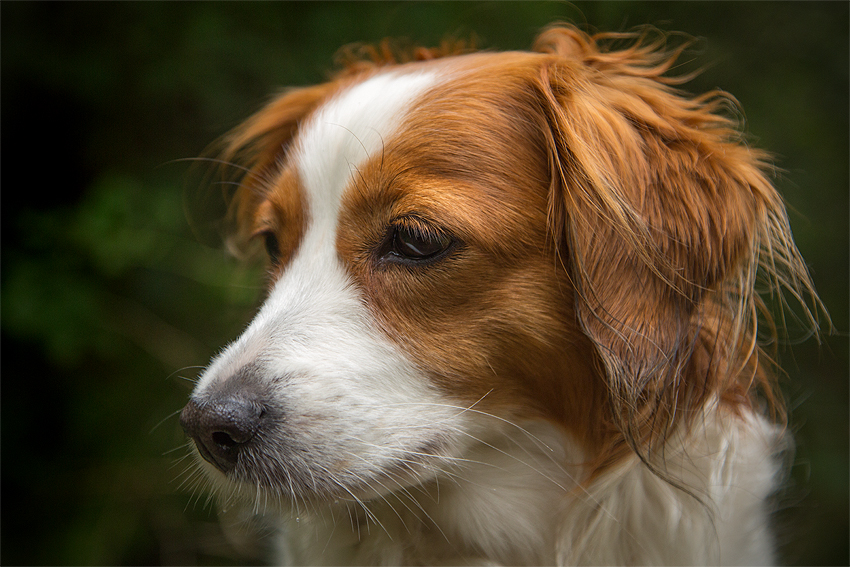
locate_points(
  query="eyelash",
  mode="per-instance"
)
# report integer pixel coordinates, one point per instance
(412, 241)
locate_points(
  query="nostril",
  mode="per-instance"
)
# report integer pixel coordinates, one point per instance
(223, 440)
(222, 427)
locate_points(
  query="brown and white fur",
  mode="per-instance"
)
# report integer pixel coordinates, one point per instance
(510, 319)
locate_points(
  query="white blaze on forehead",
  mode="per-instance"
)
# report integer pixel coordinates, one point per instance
(314, 338)
(347, 131)
(314, 312)
(314, 290)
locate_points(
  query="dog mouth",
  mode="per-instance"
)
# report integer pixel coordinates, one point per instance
(252, 446)
(296, 474)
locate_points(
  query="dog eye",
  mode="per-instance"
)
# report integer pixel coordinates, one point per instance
(272, 246)
(418, 242)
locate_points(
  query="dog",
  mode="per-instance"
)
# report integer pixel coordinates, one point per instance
(511, 315)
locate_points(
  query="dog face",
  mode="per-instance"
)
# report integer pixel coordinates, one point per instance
(461, 244)
(416, 300)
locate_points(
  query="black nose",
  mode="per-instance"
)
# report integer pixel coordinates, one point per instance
(222, 426)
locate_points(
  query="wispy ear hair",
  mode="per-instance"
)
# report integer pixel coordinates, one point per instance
(664, 218)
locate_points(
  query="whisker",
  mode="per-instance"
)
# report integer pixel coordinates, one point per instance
(163, 420)
(191, 367)
(209, 160)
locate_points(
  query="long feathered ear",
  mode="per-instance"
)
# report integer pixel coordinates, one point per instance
(662, 216)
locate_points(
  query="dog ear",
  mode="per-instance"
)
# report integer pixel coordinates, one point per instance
(661, 214)
(253, 151)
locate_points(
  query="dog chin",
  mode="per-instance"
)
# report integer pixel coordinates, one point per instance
(283, 485)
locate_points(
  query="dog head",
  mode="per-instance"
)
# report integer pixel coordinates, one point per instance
(458, 244)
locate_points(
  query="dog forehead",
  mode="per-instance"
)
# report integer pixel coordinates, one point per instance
(351, 128)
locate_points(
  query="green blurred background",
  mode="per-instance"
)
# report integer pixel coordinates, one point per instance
(110, 305)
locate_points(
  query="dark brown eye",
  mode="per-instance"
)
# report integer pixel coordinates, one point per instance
(272, 247)
(415, 241)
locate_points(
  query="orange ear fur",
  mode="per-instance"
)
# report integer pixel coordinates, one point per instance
(663, 216)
